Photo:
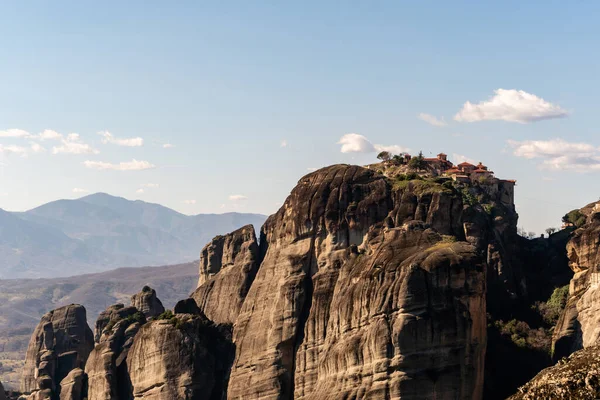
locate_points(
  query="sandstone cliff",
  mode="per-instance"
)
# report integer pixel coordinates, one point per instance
(184, 357)
(228, 265)
(61, 343)
(579, 325)
(106, 368)
(367, 289)
(362, 286)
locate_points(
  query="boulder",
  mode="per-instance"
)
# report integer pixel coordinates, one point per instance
(147, 302)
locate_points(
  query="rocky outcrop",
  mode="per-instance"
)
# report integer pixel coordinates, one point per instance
(74, 385)
(575, 377)
(147, 302)
(358, 297)
(187, 306)
(60, 343)
(228, 265)
(579, 324)
(184, 357)
(2, 393)
(106, 368)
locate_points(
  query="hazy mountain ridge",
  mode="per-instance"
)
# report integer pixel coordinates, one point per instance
(100, 232)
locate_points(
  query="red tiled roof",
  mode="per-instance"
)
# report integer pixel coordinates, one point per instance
(480, 170)
(465, 164)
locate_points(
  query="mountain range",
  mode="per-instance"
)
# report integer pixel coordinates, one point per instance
(100, 232)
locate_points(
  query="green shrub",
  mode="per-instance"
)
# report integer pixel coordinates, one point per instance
(575, 218)
(468, 198)
(167, 314)
(551, 309)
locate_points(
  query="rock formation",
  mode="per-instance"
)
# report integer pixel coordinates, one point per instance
(362, 287)
(575, 377)
(183, 357)
(60, 343)
(106, 367)
(147, 302)
(228, 265)
(579, 325)
(74, 385)
(2, 393)
(359, 295)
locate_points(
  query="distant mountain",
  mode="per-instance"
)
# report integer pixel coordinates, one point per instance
(24, 301)
(100, 232)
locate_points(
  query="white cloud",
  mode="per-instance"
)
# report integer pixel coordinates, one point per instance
(237, 197)
(559, 154)
(311, 169)
(510, 105)
(12, 149)
(189, 201)
(133, 165)
(140, 191)
(432, 119)
(459, 158)
(284, 143)
(37, 148)
(74, 148)
(355, 143)
(150, 185)
(108, 137)
(72, 144)
(168, 146)
(14, 133)
(79, 190)
(49, 134)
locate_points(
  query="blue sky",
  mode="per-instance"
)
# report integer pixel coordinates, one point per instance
(226, 83)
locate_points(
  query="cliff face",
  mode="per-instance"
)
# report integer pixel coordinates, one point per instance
(185, 357)
(228, 265)
(61, 343)
(361, 287)
(359, 293)
(106, 368)
(579, 324)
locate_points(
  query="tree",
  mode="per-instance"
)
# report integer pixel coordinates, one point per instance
(550, 231)
(418, 163)
(384, 156)
(398, 159)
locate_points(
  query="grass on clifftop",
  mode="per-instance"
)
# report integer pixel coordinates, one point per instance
(421, 186)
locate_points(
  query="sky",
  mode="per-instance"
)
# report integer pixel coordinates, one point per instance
(211, 107)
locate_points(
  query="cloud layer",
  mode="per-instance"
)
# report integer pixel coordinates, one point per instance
(237, 197)
(510, 105)
(559, 154)
(108, 137)
(14, 133)
(355, 143)
(133, 165)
